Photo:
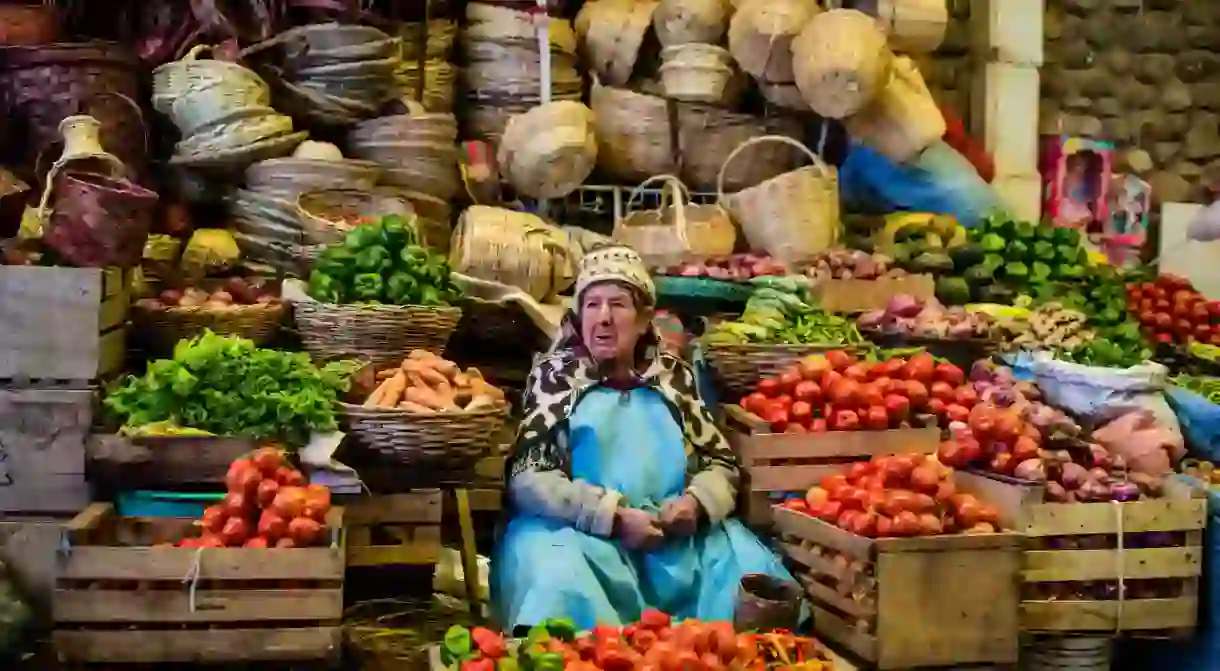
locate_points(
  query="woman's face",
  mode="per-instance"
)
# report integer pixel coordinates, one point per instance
(610, 322)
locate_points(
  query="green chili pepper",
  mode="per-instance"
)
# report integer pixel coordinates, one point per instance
(337, 261)
(537, 634)
(402, 289)
(457, 645)
(562, 628)
(373, 260)
(324, 288)
(367, 287)
(364, 236)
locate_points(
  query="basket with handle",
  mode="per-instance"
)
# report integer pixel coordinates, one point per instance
(513, 248)
(791, 216)
(739, 367)
(676, 230)
(382, 334)
(412, 438)
(192, 73)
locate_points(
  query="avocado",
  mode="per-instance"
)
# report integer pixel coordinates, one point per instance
(1071, 254)
(910, 232)
(861, 242)
(959, 238)
(1072, 272)
(1025, 231)
(932, 262)
(1017, 250)
(944, 226)
(979, 274)
(932, 241)
(952, 290)
(900, 253)
(965, 256)
(1044, 232)
(1067, 236)
(993, 261)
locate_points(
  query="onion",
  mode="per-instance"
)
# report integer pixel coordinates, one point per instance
(1031, 469)
(1148, 484)
(871, 319)
(1074, 475)
(1055, 493)
(903, 305)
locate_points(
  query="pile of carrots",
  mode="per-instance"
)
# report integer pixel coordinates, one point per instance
(425, 383)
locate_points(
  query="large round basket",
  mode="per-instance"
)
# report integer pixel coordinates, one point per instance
(676, 230)
(633, 134)
(412, 438)
(612, 34)
(690, 21)
(740, 367)
(513, 248)
(792, 216)
(550, 150)
(903, 120)
(840, 62)
(328, 215)
(160, 329)
(382, 334)
(761, 34)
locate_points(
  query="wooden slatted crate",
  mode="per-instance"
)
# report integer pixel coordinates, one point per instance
(893, 601)
(1147, 588)
(775, 463)
(43, 431)
(395, 529)
(864, 295)
(163, 462)
(28, 547)
(62, 324)
(122, 597)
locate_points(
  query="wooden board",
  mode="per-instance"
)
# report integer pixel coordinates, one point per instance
(156, 462)
(912, 620)
(864, 295)
(1183, 509)
(62, 323)
(120, 600)
(395, 529)
(42, 448)
(28, 548)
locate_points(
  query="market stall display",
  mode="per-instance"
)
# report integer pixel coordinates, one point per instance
(248, 308)
(1174, 312)
(735, 267)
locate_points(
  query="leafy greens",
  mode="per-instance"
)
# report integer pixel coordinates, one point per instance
(227, 386)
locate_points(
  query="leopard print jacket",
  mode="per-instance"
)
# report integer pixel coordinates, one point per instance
(539, 471)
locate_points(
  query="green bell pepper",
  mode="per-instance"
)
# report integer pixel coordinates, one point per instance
(413, 257)
(457, 645)
(398, 232)
(562, 628)
(364, 236)
(324, 288)
(373, 260)
(429, 295)
(337, 261)
(402, 289)
(368, 287)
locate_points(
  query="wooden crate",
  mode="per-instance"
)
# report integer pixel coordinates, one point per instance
(121, 600)
(163, 462)
(892, 602)
(864, 295)
(28, 548)
(62, 323)
(395, 529)
(1182, 512)
(774, 463)
(43, 431)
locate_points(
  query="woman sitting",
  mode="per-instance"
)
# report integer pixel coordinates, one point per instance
(621, 486)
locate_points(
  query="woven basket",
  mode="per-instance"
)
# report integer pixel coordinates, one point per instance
(161, 329)
(513, 248)
(611, 34)
(406, 128)
(761, 34)
(240, 133)
(633, 137)
(690, 21)
(903, 120)
(491, 23)
(382, 334)
(708, 135)
(297, 175)
(412, 438)
(175, 79)
(43, 85)
(330, 36)
(549, 151)
(740, 367)
(677, 230)
(327, 216)
(840, 62)
(436, 91)
(913, 26)
(695, 83)
(793, 216)
(440, 35)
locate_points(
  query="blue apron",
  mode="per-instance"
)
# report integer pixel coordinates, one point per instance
(629, 442)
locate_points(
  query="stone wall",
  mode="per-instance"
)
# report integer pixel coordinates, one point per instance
(1144, 74)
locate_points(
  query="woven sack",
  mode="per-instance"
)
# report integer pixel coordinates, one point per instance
(677, 230)
(633, 136)
(191, 73)
(549, 151)
(840, 62)
(792, 216)
(690, 21)
(513, 248)
(913, 26)
(709, 135)
(611, 33)
(903, 120)
(761, 34)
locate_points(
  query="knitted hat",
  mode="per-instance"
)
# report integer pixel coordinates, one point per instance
(615, 264)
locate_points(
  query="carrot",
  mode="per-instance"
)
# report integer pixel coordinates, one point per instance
(481, 402)
(387, 373)
(474, 373)
(445, 367)
(445, 391)
(416, 408)
(424, 396)
(393, 393)
(461, 381)
(375, 397)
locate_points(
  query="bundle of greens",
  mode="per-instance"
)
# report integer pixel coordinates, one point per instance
(382, 262)
(780, 311)
(227, 386)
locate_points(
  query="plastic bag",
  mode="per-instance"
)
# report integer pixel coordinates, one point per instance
(1199, 420)
(1205, 226)
(1099, 395)
(939, 180)
(1144, 444)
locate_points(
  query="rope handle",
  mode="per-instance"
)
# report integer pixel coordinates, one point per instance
(817, 160)
(191, 579)
(681, 199)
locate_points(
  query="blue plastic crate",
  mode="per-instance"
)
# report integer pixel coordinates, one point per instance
(147, 503)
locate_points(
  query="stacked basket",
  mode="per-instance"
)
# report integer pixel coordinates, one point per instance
(223, 111)
(760, 39)
(418, 156)
(503, 73)
(425, 74)
(694, 68)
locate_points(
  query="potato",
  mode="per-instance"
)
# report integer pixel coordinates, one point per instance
(221, 297)
(171, 296)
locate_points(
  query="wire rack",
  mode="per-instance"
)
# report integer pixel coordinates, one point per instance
(596, 207)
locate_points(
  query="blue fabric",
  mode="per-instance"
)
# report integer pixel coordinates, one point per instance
(939, 180)
(630, 442)
(1200, 422)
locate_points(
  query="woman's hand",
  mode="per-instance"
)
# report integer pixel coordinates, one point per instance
(680, 517)
(638, 529)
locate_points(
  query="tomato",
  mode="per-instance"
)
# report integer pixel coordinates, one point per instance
(872, 394)
(235, 478)
(267, 460)
(289, 502)
(799, 505)
(833, 484)
(213, 519)
(784, 401)
(755, 403)
(947, 372)
(235, 504)
(957, 413)
(265, 494)
(808, 392)
(272, 525)
(813, 367)
(318, 494)
(857, 372)
(839, 360)
(918, 393)
(819, 425)
(235, 532)
(643, 639)
(876, 418)
(920, 368)
(966, 396)
(789, 379)
(285, 543)
(802, 412)
(289, 477)
(925, 479)
(257, 542)
(860, 469)
(304, 531)
(768, 387)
